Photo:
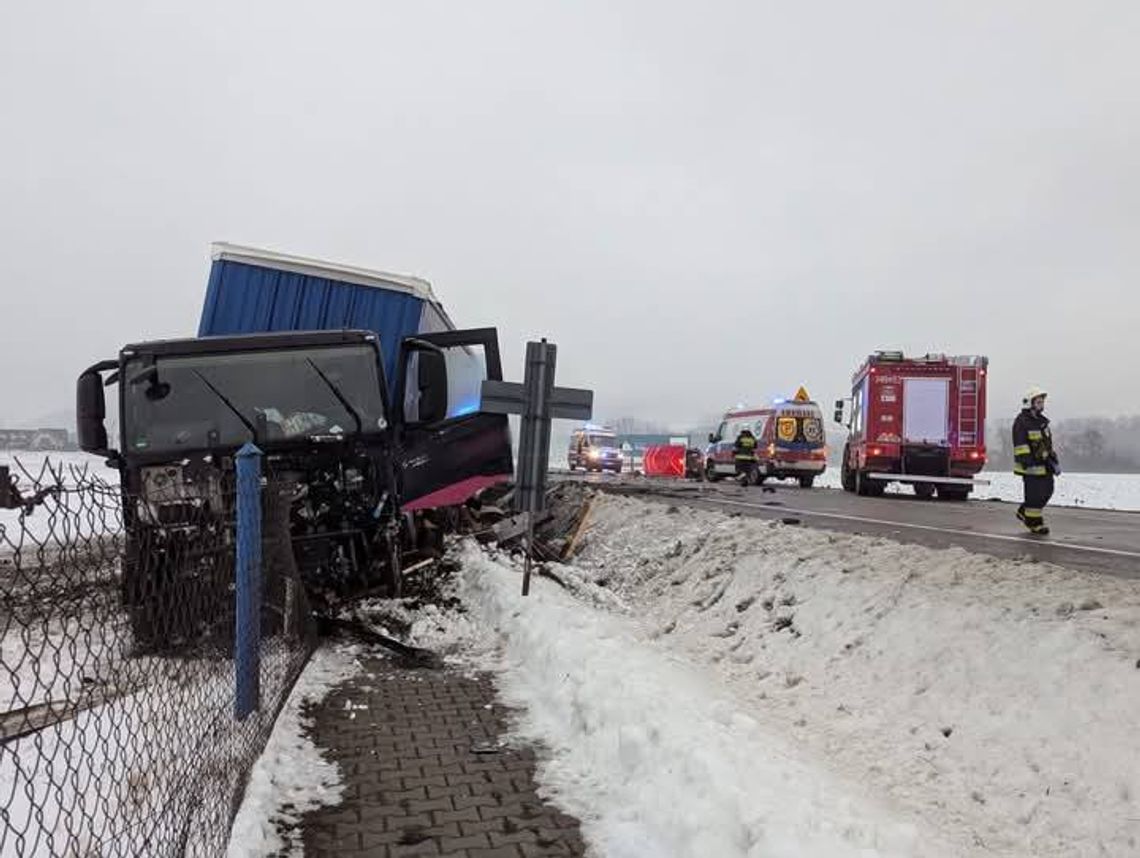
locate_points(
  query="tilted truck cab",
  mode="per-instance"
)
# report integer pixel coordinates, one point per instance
(362, 445)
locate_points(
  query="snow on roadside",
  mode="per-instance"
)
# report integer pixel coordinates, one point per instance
(291, 777)
(654, 757)
(995, 699)
(1092, 491)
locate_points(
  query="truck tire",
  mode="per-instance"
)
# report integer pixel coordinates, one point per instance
(924, 490)
(954, 493)
(846, 475)
(710, 472)
(867, 487)
(806, 481)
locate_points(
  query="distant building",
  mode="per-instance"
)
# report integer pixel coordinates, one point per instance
(35, 440)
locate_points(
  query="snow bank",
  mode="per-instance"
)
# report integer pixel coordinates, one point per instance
(291, 777)
(995, 699)
(655, 758)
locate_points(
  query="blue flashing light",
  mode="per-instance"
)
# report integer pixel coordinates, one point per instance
(465, 408)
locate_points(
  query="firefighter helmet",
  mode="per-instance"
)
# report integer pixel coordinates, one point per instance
(1034, 392)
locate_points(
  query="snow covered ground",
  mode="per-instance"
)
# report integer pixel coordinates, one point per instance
(1097, 491)
(154, 765)
(653, 754)
(992, 702)
(45, 468)
(710, 685)
(291, 777)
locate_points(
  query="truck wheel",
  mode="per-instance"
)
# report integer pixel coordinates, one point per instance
(710, 472)
(846, 475)
(867, 487)
(924, 490)
(954, 493)
(806, 481)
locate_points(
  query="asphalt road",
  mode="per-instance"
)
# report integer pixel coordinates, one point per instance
(1097, 540)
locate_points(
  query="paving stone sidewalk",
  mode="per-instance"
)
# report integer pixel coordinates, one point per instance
(425, 774)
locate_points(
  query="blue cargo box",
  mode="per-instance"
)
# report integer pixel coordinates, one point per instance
(253, 291)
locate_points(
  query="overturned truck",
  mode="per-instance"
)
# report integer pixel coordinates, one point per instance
(360, 394)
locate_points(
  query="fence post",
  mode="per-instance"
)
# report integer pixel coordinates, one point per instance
(247, 650)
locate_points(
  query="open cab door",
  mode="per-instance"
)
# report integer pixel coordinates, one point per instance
(449, 450)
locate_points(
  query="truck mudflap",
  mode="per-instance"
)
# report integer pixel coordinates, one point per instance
(923, 478)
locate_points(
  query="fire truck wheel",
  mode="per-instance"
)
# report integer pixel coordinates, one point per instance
(924, 490)
(867, 487)
(846, 475)
(954, 493)
(806, 481)
(710, 472)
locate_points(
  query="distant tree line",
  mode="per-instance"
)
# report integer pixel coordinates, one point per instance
(1092, 444)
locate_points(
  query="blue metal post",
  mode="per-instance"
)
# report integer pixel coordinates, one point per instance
(247, 652)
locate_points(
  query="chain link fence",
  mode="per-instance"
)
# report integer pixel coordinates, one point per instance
(120, 728)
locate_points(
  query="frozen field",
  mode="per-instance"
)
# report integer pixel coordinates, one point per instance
(1097, 491)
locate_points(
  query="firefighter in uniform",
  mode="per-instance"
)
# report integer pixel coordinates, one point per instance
(1035, 460)
(744, 451)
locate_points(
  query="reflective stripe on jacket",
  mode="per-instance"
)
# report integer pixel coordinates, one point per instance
(745, 448)
(1033, 445)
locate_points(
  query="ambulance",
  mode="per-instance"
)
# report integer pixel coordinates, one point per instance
(790, 441)
(594, 448)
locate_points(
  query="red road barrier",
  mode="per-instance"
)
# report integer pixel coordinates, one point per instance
(664, 460)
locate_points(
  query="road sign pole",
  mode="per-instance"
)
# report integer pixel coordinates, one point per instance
(538, 379)
(537, 400)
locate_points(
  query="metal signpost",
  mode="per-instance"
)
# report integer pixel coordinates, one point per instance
(538, 401)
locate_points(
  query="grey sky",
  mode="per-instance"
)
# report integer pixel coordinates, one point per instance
(700, 203)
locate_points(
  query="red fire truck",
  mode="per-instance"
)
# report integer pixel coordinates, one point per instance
(915, 420)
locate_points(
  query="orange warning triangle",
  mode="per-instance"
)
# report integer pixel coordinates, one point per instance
(802, 395)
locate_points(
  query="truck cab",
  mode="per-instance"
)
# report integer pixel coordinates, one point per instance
(353, 384)
(315, 404)
(915, 420)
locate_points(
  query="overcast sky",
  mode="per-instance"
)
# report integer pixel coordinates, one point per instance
(700, 203)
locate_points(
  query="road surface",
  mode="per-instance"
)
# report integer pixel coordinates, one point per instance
(1098, 540)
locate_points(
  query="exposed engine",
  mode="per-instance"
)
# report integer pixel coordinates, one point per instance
(329, 500)
(339, 519)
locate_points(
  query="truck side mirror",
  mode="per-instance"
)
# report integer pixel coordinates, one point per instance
(712, 437)
(840, 408)
(90, 412)
(432, 383)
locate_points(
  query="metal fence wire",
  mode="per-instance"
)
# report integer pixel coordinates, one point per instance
(118, 729)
